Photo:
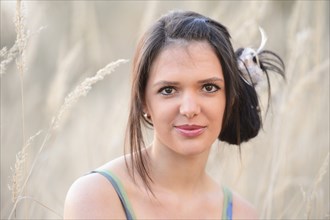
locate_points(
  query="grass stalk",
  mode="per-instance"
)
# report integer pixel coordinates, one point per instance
(80, 91)
(20, 34)
(318, 178)
(41, 204)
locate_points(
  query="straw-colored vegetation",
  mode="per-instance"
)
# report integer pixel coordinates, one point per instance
(55, 52)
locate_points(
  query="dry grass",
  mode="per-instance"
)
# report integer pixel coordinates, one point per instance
(72, 98)
(284, 171)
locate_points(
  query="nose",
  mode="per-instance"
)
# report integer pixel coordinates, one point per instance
(189, 106)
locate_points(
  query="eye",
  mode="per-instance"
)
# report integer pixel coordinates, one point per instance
(168, 90)
(210, 88)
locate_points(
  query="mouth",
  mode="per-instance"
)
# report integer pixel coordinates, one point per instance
(190, 130)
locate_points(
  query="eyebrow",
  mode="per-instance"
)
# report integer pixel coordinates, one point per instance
(212, 79)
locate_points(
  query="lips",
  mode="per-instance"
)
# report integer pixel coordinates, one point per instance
(190, 130)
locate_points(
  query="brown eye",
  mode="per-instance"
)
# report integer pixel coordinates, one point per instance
(167, 90)
(210, 88)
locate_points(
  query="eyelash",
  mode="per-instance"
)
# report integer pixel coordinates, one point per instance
(162, 90)
(215, 88)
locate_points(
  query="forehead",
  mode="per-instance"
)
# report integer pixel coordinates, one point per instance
(196, 58)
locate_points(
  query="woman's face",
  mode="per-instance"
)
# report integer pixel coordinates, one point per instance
(185, 97)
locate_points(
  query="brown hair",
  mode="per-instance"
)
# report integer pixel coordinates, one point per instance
(241, 120)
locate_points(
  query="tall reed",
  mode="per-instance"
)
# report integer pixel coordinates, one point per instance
(73, 97)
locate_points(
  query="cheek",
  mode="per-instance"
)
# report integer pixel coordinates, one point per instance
(216, 113)
(162, 112)
(163, 116)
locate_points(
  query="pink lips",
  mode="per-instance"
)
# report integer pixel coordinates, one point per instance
(190, 130)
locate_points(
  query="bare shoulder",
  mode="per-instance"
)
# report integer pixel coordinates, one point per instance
(242, 209)
(92, 197)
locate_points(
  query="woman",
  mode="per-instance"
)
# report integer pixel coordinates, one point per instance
(191, 87)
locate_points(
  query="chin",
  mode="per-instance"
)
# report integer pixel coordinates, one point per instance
(192, 149)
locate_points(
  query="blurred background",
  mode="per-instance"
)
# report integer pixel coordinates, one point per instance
(49, 47)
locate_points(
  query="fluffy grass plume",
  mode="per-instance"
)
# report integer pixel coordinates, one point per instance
(81, 90)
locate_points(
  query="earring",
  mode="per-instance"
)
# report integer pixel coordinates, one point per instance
(146, 116)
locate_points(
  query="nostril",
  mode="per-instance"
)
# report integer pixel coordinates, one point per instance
(189, 107)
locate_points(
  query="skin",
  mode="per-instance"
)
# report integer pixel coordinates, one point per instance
(186, 87)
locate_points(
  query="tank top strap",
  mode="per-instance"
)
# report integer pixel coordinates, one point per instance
(118, 186)
(227, 210)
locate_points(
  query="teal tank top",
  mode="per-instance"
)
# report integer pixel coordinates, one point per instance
(227, 210)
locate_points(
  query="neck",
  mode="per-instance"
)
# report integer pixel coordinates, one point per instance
(182, 174)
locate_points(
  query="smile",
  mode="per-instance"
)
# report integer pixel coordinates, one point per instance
(190, 130)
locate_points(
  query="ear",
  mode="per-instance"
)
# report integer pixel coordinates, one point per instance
(146, 113)
(145, 109)
(147, 118)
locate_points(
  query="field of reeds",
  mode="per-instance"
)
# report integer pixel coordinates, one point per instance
(65, 85)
